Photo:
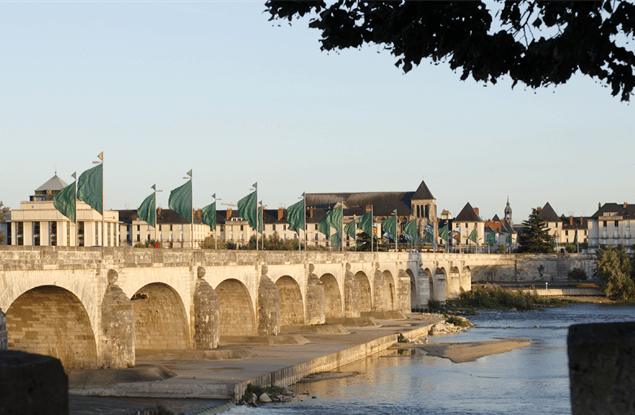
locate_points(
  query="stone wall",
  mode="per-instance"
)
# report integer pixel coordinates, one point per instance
(532, 267)
(118, 327)
(3, 331)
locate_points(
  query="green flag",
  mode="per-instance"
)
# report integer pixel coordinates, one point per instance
(180, 200)
(261, 219)
(508, 239)
(390, 226)
(349, 229)
(147, 211)
(472, 236)
(334, 217)
(335, 240)
(491, 238)
(208, 215)
(248, 209)
(575, 240)
(443, 232)
(325, 227)
(366, 223)
(295, 216)
(410, 231)
(64, 201)
(90, 186)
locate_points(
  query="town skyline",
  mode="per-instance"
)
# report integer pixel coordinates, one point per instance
(162, 88)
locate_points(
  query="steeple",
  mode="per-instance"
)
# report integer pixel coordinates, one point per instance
(508, 212)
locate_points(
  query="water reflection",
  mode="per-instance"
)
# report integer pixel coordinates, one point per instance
(532, 379)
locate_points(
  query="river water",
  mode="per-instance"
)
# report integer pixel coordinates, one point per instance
(530, 380)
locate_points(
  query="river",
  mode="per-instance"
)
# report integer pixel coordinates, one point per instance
(530, 380)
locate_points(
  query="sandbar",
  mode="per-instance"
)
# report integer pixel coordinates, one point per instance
(466, 352)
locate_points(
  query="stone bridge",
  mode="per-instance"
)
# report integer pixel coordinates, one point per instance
(93, 307)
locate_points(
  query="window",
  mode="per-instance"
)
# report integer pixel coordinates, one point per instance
(36, 233)
(159, 227)
(316, 227)
(316, 236)
(138, 237)
(170, 227)
(242, 228)
(138, 228)
(284, 227)
(274, 227)
(617, 223)
(604, 224)
(566, 233)
(53, 233)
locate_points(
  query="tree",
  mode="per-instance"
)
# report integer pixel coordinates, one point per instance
(4, 213)
(486, 44)
(614, 268)
(535, 237)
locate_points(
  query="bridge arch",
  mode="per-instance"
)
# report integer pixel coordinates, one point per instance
(414, 292)
(160, 318)
(291, 304)
(235, 308)
(332, 296)
(51, 320)
(365, 293)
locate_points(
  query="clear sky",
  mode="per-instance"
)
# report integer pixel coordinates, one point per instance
(162, 88)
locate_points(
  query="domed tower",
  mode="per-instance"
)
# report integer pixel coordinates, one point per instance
(508, 213)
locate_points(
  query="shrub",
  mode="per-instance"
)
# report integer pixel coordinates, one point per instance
(577, 274)
(435, 306)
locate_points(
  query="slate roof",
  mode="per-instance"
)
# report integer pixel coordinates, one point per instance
(53, 184)
(467, 215)
(383, 202)
(548, 214)
(627, 212)
(165, 216)
(579, 222)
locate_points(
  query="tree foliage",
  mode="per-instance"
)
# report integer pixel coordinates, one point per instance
(4, 213)
(535, 43)
(615, 269)
(535, 237)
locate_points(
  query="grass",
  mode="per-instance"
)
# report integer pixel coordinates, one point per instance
(493, 297)
(456, 321)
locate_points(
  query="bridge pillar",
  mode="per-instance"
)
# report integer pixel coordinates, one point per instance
(268, 306)
(351, 294)
(403, 292)
(423, 289)
(314, 299)
(206, 314)
(438, 292)
(4, 338)
(117, 325)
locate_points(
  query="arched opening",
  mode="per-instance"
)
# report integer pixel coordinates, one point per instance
(52, 321)
(235, 307)
(389, 282)
(414, 294)
(160, 318)
(365, 302)
(291, 305)
(332, 296)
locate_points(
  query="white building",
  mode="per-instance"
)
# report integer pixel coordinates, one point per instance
(611, 225)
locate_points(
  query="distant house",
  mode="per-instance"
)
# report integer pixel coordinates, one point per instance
(611, 225)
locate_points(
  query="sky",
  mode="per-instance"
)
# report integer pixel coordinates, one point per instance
(164, 87)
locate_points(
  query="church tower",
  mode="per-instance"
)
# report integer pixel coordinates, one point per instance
(508, 213)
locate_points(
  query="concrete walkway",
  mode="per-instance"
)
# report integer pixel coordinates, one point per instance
(209, 375)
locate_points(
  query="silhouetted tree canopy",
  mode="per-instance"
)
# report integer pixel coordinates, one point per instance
(535, 43)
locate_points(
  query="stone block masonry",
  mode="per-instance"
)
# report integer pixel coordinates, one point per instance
(3, 332)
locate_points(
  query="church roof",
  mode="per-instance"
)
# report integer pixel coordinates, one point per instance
(548, 214)
(422, 192)
(467, 215)
(54, 183)
(496, 218)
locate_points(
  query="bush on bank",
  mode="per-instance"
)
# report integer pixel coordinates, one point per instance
(494, 297)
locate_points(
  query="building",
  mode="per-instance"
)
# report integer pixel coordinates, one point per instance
(468, 221)
(172, 230)
(38, 223)
(611, 225)
(573, 227)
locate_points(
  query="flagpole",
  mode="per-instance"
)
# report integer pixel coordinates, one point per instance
(75, 176)
(155, 214)
(355, 233)
(342, 227)
(372, 227)
(396, 232)
(192, 208)
(257, 215)
(306, 238)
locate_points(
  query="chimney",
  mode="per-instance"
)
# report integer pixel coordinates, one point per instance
(229, 213)
(367, 208)
(538, 208)
(198, 213)
(476, 211)
(599, 205)
(581, 221)
(571, 220)
(280, 212)
(625, 205)
(159, 210)
(311, 212)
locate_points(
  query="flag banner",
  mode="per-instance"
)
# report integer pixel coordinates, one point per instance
(385, 238)
(325, 227)
(472, 236)
(208, 215)
(248, 209)
(410, 231)
(295, 216)
(428, 231)
(456, 234)
(261, 219)
(349, 229)
(443, 232)
(64, 201)
(180, 200)
(335, 240)
(366, 223)
(334, 218)
(509, 239)
(147, 211)
(491, 238)
(89, 187)
(575, 241)
(390, 226)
